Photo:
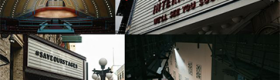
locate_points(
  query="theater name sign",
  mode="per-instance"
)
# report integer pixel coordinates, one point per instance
(163, 16)
(184, 7)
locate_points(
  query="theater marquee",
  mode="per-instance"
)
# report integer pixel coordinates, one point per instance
(47, 58)
(186, 8)
(159, 16)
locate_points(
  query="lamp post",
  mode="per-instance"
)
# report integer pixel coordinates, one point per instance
(101, 74)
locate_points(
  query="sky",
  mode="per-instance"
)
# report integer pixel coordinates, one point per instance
(95, 47)
(118, 18)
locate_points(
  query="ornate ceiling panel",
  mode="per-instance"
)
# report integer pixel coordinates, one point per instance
(94, 8)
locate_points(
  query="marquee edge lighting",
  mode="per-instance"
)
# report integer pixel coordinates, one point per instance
(85, 6)
(109, 8)
(2, 6)
(25, 6)
(13, 13)
(95, 8)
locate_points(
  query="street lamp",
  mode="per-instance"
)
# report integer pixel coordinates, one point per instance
(101, 74)
(94, 76)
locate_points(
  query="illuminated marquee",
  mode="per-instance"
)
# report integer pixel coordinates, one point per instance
(165, 4)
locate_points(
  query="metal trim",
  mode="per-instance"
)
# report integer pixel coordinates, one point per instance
(47, 74)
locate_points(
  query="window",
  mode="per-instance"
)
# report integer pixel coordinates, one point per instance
(120, 75)
(119, 78)
(123, 74)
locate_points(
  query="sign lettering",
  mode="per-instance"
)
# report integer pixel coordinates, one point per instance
(55, 59)
(165, 4)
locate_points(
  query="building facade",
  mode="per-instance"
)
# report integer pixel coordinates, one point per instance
(188, 62)
(72, 47)
(121, 73)
(202, 17)
(40, 56)
(17, 50)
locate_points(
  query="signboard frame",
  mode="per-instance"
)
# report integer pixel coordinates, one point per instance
(156, 27)
(45, 73)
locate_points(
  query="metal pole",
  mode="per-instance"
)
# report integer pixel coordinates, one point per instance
(102, 75)
(11, 57)
(87, 71)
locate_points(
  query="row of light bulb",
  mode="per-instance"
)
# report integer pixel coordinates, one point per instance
(206, 29)
(85, 6)
(25, 6)
(109, 8)
(2, 6)
(95, 8)
(13, 13)
(82, 0)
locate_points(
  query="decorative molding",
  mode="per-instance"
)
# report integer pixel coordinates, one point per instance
(269, 30)
(42, 3)
(68, 2)
(18, 40)
(190, 68)
(34, 5)
(198, 71)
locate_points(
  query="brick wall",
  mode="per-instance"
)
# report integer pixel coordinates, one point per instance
(18, 64)
(18, 72)
(5, 51)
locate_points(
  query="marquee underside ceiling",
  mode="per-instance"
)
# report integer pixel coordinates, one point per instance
(94, 8)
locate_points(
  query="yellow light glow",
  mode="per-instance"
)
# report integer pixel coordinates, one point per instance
(55, 14)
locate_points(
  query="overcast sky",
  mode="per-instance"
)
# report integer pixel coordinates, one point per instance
(95, 47)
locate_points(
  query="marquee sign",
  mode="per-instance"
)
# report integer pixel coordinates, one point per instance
(47, 58)
(55, 59)
(151, 15)
(190, 5)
